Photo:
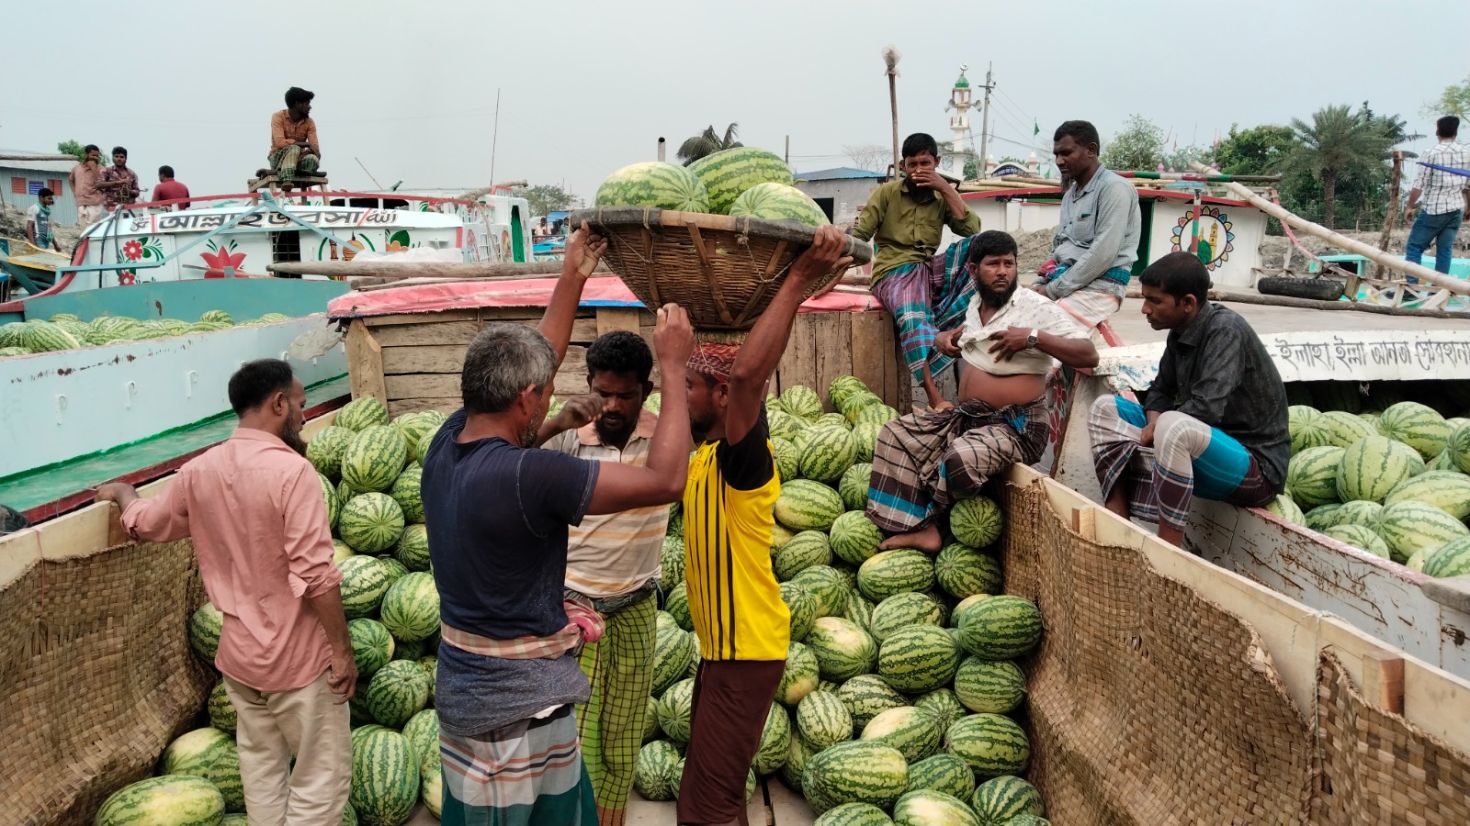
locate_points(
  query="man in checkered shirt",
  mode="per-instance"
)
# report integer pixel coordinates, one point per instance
(1445, 198)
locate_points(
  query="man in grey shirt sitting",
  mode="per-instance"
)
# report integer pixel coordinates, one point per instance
(1097, 238)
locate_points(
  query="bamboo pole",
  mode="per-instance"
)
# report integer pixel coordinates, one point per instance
(1231, 297)
(890, 60)
(1368, 251)
(417, 269)
(1393, 207)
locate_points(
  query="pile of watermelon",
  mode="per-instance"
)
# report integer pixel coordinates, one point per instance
(740, 181)
(65, 331)
(369, 469)
(1394, 483)
(901, 676)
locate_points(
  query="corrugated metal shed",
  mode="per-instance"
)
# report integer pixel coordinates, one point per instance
(20, 180)
(839, 173)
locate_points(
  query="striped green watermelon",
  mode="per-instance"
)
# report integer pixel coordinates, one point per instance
(866, 436)
(325, 450)
(1322, 516)
(405, 491)
(1286, 508)
(797, 755)
(1305, 425)
(852, 814)
(677, 604)
(365, 579)
(807, 505)
(943, 703)
(842, 387)
(931, 808)
(385, 778)
(673, 710)
(7, 352)
(826, 453)
(1356, 512)
(784, 425)
(650, 720)
(217, 316)
(361, 413)
(823, 720)
(393, 569)
(992, 744)
(962, 571)
(211, 754)
(918, 658)
(1449, 559)
(671, 562)
(1311, 476)
(853, 487)
(221, 711)
(976, 522)
(775, 742)
(1000, 799)
(413, 426)
(372, 645)
(334, 505)
(787, 458)
(963, 607)
(410, 608)
(779, 202)
(1447, 490)
(832, 420)
(894, 572)
(802, 607)
(654, 184)
(47, 337)
(873, 414)
(656, 771)
(855, 538)
(800, 675)
(413, 547)
(1416, 425)
(806, 549)
(902, 610)
(867, 695)
(1345, 429)
(208, 326)
(859, 610)
(673, 650)
(374, 458)
(12, 334)
(827, 586)
(396, 692)
(1000, 627)
(857, 771)
(430, 666)
(432, 787)
(843, 649)
(729, 173)
(802, 402)
(1374, 466)
(205, 625)
(1457, 446)
(915, 732)
(942, 773)
(1442, 461)
(422, 731)
(1412, 526)
(171, 800)
(996, 687)
(371, 523)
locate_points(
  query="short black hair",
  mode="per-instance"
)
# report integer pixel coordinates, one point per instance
(296, 95)
(1080, 131)
(620, 352)
(1178, 274)
(1447, 126)
(255, 381)
(991, 242)
(120, 150)
(91, 147)
(166, 170)
(919, 143)
(45, 193)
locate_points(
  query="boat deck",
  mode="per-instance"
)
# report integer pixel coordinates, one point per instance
(1133, 328)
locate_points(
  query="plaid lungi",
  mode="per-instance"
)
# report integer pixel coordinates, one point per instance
(925, 298)
(620, 668)
(528, 773)
(925, 462)
(287, 160)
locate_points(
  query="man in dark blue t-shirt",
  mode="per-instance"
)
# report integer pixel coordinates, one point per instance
(497, 513)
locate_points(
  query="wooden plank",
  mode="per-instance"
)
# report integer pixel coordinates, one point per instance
(447, 404)
(439, 332)
(364, 363)
(1383, 681)
(431, 358)
(422, 386)
(798, 364)
(869, 353)
(832, 350)
(618, 318)
(420, 318)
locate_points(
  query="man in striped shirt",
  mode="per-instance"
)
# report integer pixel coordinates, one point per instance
(613, 561)
(1443, 196)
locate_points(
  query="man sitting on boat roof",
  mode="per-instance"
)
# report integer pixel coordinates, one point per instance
(1214, 422)
(925, 462)
(294, 147)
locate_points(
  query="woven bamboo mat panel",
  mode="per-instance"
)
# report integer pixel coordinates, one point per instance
(724, 271)
(97, 676)
(1147, 704)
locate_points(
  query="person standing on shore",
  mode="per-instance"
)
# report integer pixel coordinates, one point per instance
(38, 222)
(1441, 199)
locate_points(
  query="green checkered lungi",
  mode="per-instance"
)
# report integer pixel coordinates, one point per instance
(610, 725)
(289, 160)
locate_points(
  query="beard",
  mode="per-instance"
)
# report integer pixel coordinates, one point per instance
(996, 298)
(291, 435)
(529, 433)
(611, 436)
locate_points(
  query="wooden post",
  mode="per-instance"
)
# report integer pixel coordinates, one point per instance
(365, 363)
(1393, 207)
(890, 59)
(1383, 681)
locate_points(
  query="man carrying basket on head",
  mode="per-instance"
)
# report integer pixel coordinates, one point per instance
(925, 290)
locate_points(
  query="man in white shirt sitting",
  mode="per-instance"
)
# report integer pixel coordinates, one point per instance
(925, 462)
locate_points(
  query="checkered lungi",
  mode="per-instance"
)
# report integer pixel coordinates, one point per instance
(925, 298)
(289, 160)
(620, 668)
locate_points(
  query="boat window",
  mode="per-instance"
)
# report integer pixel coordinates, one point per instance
(286, 246)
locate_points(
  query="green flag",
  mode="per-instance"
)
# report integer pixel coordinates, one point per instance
(1035, 128)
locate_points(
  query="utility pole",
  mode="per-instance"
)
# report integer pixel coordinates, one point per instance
(983, 166)
(495, 137)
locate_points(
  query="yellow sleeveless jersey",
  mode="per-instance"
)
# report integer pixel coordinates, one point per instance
(734, 599)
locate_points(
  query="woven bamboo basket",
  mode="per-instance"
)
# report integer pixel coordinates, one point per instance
(723, 270)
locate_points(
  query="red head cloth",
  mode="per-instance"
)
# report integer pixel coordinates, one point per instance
(713, 359)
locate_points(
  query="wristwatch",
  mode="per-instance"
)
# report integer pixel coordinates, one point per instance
(1032, 339)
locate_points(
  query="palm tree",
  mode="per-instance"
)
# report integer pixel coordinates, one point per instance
(708, 142)
(1339, 142)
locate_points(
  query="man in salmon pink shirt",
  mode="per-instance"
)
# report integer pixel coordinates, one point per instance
(254, 508)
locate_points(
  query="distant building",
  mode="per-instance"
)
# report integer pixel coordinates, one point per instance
(841, 192)
(20, 181)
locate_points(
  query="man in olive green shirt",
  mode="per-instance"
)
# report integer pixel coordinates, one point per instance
(925, 290)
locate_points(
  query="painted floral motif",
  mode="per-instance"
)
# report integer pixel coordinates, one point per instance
(221, 258)
(132, 251)
(142, 248)
(126, 278)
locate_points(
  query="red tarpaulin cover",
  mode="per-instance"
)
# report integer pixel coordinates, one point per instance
(600, 291)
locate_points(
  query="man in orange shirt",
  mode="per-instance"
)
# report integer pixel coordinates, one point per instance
(293, 138)
(253, 505)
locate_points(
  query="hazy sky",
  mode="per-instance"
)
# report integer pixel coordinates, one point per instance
(409, 87)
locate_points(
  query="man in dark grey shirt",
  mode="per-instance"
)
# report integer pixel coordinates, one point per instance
(1212, 425)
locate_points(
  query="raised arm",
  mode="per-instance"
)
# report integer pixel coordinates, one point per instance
(762, 350)
(584, 250)
(621, 487)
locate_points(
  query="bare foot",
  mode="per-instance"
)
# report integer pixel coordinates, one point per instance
(925, 539)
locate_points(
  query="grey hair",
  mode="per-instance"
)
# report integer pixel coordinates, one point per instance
(501, 362)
